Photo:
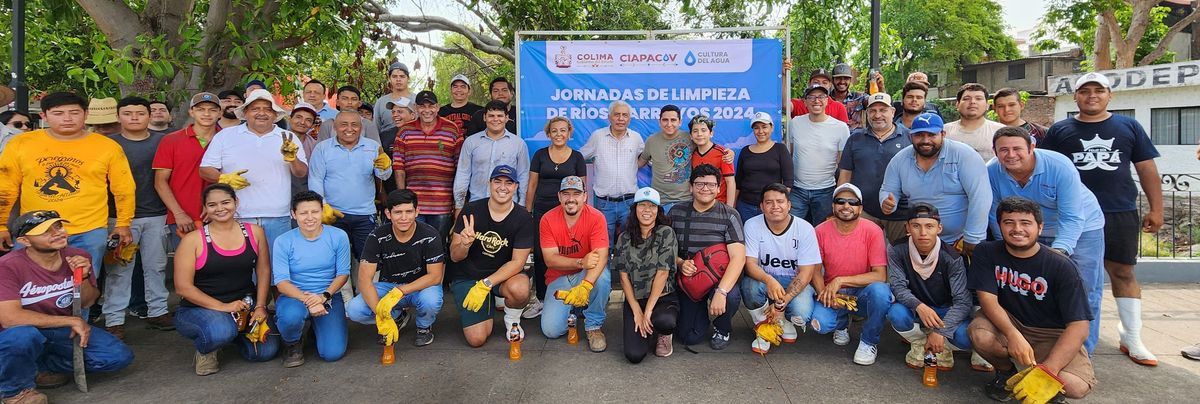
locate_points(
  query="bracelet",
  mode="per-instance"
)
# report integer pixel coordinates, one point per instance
(723, 292)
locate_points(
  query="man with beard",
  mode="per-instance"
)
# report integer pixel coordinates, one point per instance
(500, 89)
(492, 239)
(945, 173)
(177, 165)
(866, 156)
(230, 101)
(574, 242)
(973, 128)
(1008, 106)
(923, 80)
(1034, 310)
(259, 160)
(160, 118)
(912, 103)
(460, 109)
(854, 101)
(853, 276)
(348, 100)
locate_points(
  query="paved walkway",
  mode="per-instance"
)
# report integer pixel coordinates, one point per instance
(810, 370)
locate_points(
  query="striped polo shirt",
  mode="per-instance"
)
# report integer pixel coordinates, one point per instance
(428, 162)
(696, 231)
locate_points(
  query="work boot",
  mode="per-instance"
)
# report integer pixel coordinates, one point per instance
(116, 331)
(596, 340)
(760, 346)
(50, 380)
(165, 322)
(293, 355)
(915, 358)
(27, 396)
(206, 364)
(665, 346)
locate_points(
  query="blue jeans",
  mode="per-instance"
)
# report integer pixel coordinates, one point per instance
(693, 321)
(26, 350)
(812, 205)
(555, 312)
(748, 211)
(357, 227)
(873, 303)
(1089, 260)
(904, 319)
(272, 226)
(330, 328)
(615, 214)
(149, 234)
(93, 242)
(209, 330)
(427, 302)
(439, 222)
(755, 295)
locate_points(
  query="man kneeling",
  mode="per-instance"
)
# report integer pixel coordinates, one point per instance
(1035, 311)
(574, 241)
(36, 324)
(410, 257)
(929, 282)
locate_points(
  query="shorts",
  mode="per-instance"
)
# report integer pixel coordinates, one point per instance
(1121, 234)
(1042, 341)
(468, 318)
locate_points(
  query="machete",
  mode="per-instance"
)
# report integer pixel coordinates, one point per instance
(77, 355)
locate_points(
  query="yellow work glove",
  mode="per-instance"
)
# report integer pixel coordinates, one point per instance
(384, 323)
(850, 302)
(1034, 385)
(122, 255)
(579, 295)
(288, 149)
(382, 161)
(258, 333)
(476, 297)
(769, 331)
(330, 215)
(234, 179)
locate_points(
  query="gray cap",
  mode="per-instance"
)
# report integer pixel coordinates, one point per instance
(400, 66)
(842, 70)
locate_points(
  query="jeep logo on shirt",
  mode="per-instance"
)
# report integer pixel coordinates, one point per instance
(776, 262)
(491, 243)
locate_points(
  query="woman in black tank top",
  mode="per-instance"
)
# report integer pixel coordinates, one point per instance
(223, 271)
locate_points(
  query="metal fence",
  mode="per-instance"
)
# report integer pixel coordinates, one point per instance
(1179, 237)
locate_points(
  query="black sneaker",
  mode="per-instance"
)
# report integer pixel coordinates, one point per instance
(402, 320)
(996, 389)
(293, 355)
(424, 337)
(1058, 399)
(719, 341)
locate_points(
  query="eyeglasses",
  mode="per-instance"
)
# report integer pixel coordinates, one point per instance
(37, 218)
(21, 124)
(847, 201)
(704, 185)
(817, 97)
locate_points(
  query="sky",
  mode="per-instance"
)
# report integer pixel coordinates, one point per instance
(1022, 14)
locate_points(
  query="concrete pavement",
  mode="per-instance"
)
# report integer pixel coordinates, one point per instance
(810, 370)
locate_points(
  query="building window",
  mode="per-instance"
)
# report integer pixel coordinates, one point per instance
(1016, 71)
(1174, 126)
(970, 76)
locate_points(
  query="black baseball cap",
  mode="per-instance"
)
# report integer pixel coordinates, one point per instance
(923, 210)
(426, 97)
(820, 73)
(36, 223)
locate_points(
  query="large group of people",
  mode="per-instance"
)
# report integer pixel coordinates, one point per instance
(973, 235)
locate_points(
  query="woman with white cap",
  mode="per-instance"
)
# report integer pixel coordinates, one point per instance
(645, 258)
(762, 163)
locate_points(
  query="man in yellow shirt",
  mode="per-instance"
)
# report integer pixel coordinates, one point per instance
(70, 170)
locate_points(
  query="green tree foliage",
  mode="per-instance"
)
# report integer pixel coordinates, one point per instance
(1074, 23)
(446, 65)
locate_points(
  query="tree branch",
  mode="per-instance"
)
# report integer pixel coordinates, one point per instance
(116, 20)
(486, 19)
(1161, 49)
(456, 50)
(480, 42)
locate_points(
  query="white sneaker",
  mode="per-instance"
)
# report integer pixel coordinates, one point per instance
(789, 331)
(865, 355)
(841, 337)
(533, 309)
(760, 346)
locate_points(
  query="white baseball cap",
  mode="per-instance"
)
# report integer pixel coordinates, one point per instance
(1093, 77)
(848, 187)
(462, 78)
(762, 117)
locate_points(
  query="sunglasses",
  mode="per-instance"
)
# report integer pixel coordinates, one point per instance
(847, 201)
(36, 218)
(21, 125)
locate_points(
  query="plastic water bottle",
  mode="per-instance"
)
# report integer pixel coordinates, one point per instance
(514, 345)
(572, 331)
(930, 377)
(389, 355)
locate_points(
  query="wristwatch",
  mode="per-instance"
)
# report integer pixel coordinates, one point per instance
(327, 295)
(487, 282)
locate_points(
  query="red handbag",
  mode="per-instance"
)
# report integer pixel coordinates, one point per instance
(710, 267)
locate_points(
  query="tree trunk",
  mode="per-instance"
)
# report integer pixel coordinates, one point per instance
(1102, 47)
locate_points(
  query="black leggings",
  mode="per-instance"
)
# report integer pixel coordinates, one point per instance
(666, 312)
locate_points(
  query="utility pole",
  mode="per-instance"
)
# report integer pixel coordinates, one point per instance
(875, 35)
(18, 56)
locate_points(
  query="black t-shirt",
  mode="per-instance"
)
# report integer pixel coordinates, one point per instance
(494, 242)
(461, 116)
(1103, 152)
(399, 262)
(478, 125)
(550, 175)
(387, 138)
(1042, 291)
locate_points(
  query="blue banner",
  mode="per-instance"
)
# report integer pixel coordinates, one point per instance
(728, 80)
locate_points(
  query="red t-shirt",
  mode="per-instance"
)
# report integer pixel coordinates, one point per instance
(716, 158)
(38, 289)
(590, 232)
(181, 152)
(835, 109)
(851, 254)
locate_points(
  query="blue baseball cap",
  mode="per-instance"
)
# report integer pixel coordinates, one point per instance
(927, 122)
(504, 170)
(647, 194)
(256, 82)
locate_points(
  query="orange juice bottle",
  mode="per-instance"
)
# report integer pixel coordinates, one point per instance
(389, 355)
(930, 377)
(572, 330)
(514, 344)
